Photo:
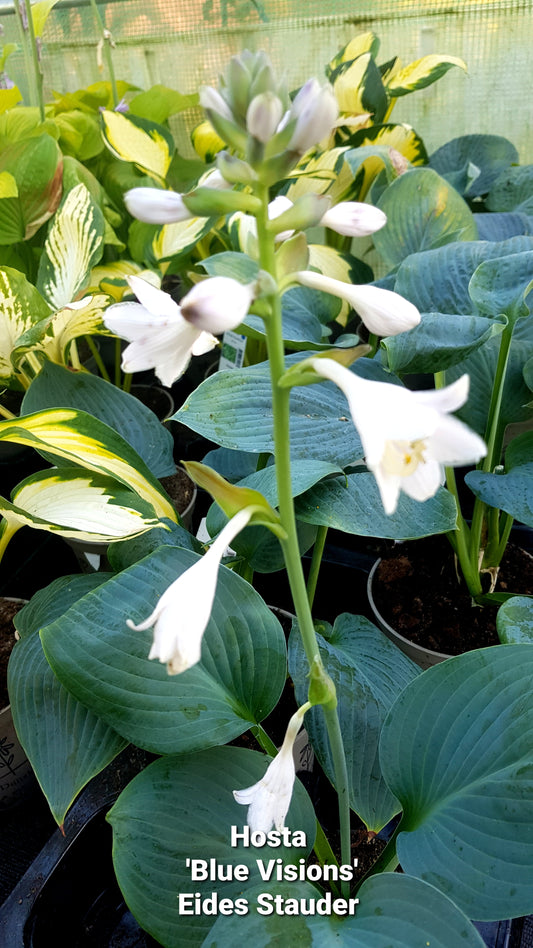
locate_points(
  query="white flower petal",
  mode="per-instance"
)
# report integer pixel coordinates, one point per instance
(155, 301)
(217, 304)
(354, 219)
(446, 399)
(316, 110)
(154, 206)
(383, 312)
(425, 481)
(455, 444)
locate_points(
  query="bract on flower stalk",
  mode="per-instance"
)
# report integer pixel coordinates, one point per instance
(269, 800)
(217, 304)
(159, 336)
(408, 437)
(383, 312)
(181, 615)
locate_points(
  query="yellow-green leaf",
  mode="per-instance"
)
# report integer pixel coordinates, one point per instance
(74, 245)
(144, 143)
(54, 334)
(180, 237)
(230, 498)
(9, 98)
(325, 174)
(421, 73)
(21, 306)
(206, 142)
(334, 264)
(84, 440)
(362, 43)
(40, 12)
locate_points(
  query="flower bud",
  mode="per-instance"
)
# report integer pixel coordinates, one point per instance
(315, 109)
(212, 101)
(154, 206)
(235, 170)
(263, 116)
(354, 219)
(217, 304)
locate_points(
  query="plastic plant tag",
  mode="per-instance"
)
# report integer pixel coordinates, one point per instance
(232, 351)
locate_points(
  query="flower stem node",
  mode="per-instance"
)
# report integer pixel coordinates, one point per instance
(180, 618)
(321, 687)
(269, 800)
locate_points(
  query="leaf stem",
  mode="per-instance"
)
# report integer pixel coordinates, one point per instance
(316, 561)
(106, 47)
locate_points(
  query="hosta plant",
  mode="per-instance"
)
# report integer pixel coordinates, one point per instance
(175, 651)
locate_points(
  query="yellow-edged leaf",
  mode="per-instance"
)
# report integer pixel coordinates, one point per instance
(334, 264)
(349, 85)
(143, 143)
(21, 306)
(74, 245)
(421, 73)
(84, 440)
(325, 174)
(180, 237)
(82, 506)
(110, 278)
(53, 335)
(206, 142)
(362, 43)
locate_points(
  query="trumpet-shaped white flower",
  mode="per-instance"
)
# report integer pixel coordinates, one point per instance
(217, 304)
(269, 799)
(159, 336)
(408, 437)
(354, 219)
(383, 312)
(154, 206)
(316, 110)
(181, 615)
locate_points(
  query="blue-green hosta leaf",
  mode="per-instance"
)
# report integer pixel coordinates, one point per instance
(439, 341)
(353, 505)
(438, 280)
(234, 409)
(501, 285)
(519, 451)
(369, 672)
(182, 808)
(481, 366)
(394, 910)
(513, 190)
(233, 465)
(56, 386)
(105, 664)
(423, 212)
(74, 245)
(491, 154)
(21, 306)
(141, 141)
(305, 472)
(124, 554)
(238, 266)
(54, 334)
(305, 313)
(80, 505)
(514, 622)
(66, 743)
(456, 750)
(79, 438)
(512, 492)
(500, 226)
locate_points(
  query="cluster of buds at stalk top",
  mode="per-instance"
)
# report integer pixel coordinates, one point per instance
(253, 113)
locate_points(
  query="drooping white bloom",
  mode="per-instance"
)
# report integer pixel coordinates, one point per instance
(269, 800)
(408, 437)
(354, 219)
(154, 206)
(159, 336)
(217, 304)
(383, 312)
(181, 615)
(316, 110)
(278, 206)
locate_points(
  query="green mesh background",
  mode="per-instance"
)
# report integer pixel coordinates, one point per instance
(184, 43)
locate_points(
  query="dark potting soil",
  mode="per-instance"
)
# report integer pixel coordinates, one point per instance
(417, 592)
(8, 610)
(179, 488)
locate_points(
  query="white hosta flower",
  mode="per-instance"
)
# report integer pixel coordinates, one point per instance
(383, 312)
(211, 100)
(269, 800)
(316, 110)
(154, 206)
(408, 437)
(217, 304)
(278, 206)
(263, 116)
(354, 219)
(181, 615)
(159, 336)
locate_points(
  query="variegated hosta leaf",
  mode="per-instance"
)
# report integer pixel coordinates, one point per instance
(74, 245)
(325, 174)
(82, 439)
(334, 264)
(181, 237)
(37, 166)
(421, 73)
(79, 505)
(134, 139)
(402, 138)
(20, 307)
(54, 334)
(358, 88)
(110, 278)
(206, 142)
(362, 43)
